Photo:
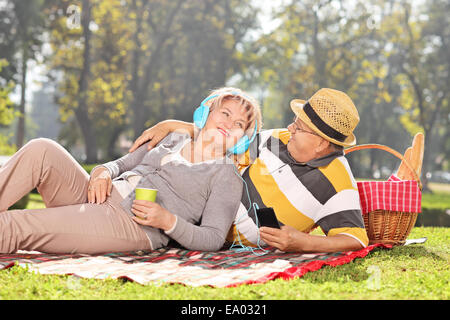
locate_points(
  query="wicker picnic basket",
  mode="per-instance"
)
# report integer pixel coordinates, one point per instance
(385, 226)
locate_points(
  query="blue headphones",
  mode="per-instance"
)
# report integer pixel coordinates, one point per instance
(201, 115)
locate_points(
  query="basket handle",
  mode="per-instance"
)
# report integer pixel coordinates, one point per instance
(390, 150)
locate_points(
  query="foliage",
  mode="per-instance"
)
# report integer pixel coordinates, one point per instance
(389, 56)
(421, 51)
(127, 64)
(21, 28)
(6, 113)
(148, 60)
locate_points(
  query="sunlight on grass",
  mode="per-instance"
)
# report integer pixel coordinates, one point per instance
(440, 187)
(35, 201)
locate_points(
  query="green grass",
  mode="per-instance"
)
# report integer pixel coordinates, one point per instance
(412, 272)
(439, 199)
(436, 201)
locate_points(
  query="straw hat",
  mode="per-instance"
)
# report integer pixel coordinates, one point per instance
(331, 114)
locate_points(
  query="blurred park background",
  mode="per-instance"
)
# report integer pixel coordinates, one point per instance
(93, 74)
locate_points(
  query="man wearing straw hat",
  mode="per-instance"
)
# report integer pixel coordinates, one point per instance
(300, 172)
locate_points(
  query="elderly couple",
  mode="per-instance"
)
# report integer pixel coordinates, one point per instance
(210, 176)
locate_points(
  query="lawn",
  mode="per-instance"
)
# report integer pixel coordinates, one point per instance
(419, 271)
(412, 272)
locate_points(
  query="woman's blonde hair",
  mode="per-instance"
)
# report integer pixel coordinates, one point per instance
(246, 101)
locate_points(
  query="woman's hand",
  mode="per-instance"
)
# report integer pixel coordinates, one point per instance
(100, 186)
(154, 134)
(151, 214)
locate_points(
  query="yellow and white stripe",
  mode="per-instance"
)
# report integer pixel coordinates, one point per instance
(277, 186)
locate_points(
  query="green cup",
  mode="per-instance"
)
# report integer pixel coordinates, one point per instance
(146, 194)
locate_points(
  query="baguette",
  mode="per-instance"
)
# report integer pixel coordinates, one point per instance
(403, 171)
(417, 153)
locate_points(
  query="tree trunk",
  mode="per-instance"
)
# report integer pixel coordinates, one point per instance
(319, 56)
(20, 134)
(140, 97)
(113, 138)
(81, 112)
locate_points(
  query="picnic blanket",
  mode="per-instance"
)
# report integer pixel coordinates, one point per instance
(225, 268)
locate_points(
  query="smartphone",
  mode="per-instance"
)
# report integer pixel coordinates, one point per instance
(267, 218)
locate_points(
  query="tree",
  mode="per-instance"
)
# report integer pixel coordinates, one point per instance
(202, 54)
(392, 61)
(6, 112)
(424, 72)
(324, 44)
(23, 25)
(316, 45)
(74, 61)
(160, 18)
(148, 60)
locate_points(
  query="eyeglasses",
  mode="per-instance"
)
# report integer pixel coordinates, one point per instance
(297, 128)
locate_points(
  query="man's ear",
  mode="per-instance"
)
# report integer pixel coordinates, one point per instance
(322, 146)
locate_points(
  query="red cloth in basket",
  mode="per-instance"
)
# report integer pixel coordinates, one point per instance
(393, 195)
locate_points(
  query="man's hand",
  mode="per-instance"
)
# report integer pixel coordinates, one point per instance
(287, 239)
(160, 130)
(151, 214)
(100, 186)
(154, 134)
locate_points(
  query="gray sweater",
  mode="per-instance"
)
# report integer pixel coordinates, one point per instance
(204, 196)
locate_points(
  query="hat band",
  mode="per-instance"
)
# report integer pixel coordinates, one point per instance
(321, 125)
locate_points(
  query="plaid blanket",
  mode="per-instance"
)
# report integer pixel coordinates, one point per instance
(394, 195)
(194, 268)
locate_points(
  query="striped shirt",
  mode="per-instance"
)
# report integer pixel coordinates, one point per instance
(321, 192)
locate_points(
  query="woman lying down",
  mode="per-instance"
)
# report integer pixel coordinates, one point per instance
(199, 189)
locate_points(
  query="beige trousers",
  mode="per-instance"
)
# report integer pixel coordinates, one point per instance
(68, 224)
